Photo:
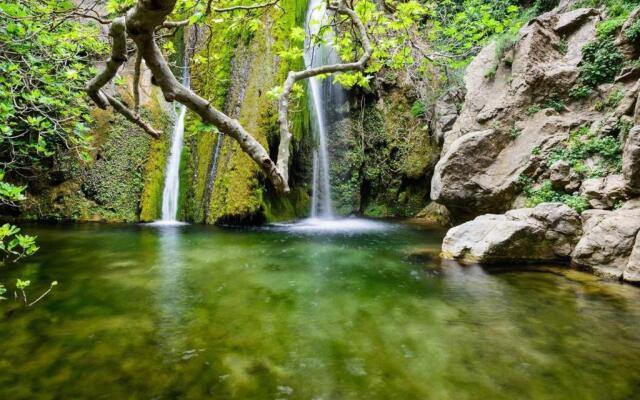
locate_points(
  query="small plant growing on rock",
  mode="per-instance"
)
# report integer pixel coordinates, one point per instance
(534, 109)
(601, 62)
(562, 47)
(632, 33)
(580, 92)
(614, 98)
(554, 102)
(545, 193)
(418, 109)
(584, 144)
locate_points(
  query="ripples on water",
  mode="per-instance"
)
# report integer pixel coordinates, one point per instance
(340, 310)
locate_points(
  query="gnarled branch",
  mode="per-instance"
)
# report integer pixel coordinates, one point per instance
(140, 23)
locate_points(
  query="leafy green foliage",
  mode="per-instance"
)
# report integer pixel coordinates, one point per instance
(545, 193)
(633, 32)
(541, 6)
(580, 92)
(583, 144)
(43, 67)
(554, 102)
(45, 59)
(15, 245)
(601, 62)
(461, 28)
(418, 109)
(533, 109)
(609, 27)
(455, 29)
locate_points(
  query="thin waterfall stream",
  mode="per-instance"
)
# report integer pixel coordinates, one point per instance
(171, 191)
(325, 97)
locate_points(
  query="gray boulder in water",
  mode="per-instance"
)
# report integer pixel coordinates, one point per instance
(608, 243)
(548, 232)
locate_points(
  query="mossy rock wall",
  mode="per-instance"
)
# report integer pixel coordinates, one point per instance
(245, 69)
(382, 157)
(119, 183)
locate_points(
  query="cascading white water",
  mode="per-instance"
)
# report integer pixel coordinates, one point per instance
(324, 96)
(315, 56)
(171, 190)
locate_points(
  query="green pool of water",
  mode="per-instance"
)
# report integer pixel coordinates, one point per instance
(204, 313)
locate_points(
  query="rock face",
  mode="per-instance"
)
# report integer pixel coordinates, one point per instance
(608, 242)
(547, 232)
(518, 112)
(632, 271)
(631, 160)
(604, 192)
(523, 136)
(491, 143)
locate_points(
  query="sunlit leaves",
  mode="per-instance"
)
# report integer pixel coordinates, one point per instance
(352, 79)
(16, 245)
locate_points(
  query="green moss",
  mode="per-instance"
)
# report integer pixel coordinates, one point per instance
(382, 157)
(111, 187)
(241, 193)
(151, 198)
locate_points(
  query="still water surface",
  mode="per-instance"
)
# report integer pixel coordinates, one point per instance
(191, 312)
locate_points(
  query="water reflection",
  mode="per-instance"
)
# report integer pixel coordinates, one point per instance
(172, 295)
(193, 312)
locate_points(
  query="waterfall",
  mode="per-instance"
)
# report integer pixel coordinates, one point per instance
(320, 92)
(171, 190)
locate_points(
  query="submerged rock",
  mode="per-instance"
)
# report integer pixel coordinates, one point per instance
(608, 241)
(547, 232)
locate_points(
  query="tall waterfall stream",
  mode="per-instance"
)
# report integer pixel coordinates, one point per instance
(171, 191)
(320, 91)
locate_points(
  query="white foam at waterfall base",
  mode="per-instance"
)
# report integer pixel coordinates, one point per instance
(337, 225)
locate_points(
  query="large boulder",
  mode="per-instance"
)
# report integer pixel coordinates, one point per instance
(547, 232)
(604, 192)
(631, 160)
(608, 240)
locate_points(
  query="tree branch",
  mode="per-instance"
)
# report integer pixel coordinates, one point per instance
(209, 10)
(140, 23)
(136, 84)
(131, 116)
(293, 77)
(118, 57)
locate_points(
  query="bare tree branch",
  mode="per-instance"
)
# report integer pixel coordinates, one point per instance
(136, 84)
(293, 77)
(118, 57)
(131, 116)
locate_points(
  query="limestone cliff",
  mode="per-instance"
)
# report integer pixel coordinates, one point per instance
(550, 116)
